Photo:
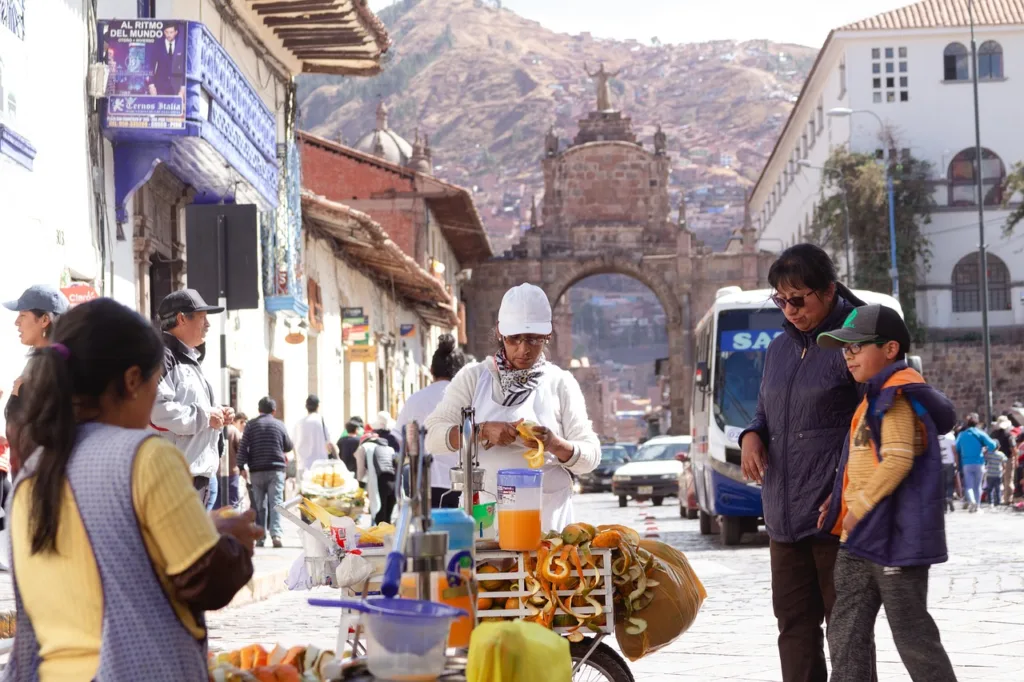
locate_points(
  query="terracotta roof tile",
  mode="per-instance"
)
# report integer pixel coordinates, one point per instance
(943, 13)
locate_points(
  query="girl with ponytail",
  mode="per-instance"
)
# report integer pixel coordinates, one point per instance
(113, 553)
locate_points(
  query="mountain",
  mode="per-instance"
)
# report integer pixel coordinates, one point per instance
(486, 84)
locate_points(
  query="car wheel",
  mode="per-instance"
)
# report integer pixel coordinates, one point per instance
(623, 500)
(692, 513)
(732, 530)
(705, 522)
(657, 501)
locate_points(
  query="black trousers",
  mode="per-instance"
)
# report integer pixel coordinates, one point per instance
(386, 491)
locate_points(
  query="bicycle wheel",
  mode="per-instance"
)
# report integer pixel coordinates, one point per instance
(602, 665)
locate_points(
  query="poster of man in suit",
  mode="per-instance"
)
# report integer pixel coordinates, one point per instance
(146, 64)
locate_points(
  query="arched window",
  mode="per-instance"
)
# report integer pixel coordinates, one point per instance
(967, 284)
(963, 190)
(990, 61)
(954, 62)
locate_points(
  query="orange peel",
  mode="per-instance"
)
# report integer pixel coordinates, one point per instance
(535, 455)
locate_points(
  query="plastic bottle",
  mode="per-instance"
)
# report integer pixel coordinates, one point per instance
(452, 590)
(519, 499)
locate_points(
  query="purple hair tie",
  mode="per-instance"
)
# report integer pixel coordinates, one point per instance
(62, 350)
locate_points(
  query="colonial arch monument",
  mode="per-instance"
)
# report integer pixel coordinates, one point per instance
(606, 210)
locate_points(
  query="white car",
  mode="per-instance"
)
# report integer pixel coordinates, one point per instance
(653, 473)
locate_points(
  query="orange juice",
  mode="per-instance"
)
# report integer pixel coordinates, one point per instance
(461, 598)
(519, 529)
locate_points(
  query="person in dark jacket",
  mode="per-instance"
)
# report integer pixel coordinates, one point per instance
(890, 496)
(263, 450)
(349, 443)
(793, 446)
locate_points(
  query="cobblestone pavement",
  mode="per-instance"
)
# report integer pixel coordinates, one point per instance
(977, 599)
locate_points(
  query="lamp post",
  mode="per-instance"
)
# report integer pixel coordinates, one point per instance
(982, 248)
(846, 212)
(893, 272)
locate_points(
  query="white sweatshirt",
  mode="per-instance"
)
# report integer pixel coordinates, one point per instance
(571, 412)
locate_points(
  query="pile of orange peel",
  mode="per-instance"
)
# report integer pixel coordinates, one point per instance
(535, 455)
(560, 565)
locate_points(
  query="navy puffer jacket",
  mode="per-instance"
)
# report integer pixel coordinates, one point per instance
(804, 410)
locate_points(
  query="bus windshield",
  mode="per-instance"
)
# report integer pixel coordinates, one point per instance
(743, 338)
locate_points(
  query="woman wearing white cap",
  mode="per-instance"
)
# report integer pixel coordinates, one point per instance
(517, 384)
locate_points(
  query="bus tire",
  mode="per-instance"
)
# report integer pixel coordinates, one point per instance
(705, 522)
(623, 500)
(732, 530)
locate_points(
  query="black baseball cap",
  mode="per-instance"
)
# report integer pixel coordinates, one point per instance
(185, 301)
(869, 324)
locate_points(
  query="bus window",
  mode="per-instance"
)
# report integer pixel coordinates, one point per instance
(743, 338)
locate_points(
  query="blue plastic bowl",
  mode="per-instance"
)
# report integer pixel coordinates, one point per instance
(402, 626)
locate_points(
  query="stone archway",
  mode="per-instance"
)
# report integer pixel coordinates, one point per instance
(677, 322)
(606, 209)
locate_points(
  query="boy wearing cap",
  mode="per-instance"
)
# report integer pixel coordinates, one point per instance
(891, 516)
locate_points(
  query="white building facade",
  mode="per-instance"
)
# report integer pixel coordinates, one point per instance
(912, 69)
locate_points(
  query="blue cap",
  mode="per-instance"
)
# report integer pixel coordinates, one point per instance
(521, 478)
(41, 297)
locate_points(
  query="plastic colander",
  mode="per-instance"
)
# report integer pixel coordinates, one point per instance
(405, 637)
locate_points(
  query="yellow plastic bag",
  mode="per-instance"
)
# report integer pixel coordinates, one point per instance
(677, 600)
(517, 651)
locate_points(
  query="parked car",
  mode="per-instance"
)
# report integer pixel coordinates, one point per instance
(654, 473)
(600, 479)
(630, 448)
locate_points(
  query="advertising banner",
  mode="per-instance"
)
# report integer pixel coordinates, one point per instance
(355, 327)
(146, 62)
(407, 331)
(748, 340)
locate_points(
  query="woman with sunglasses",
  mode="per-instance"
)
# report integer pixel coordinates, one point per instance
(793, 447)
(519, 384)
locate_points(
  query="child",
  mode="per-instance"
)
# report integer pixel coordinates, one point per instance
(994, 461)
(891, 520)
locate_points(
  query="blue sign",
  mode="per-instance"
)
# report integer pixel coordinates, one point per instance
(146, 63)
(748, 340)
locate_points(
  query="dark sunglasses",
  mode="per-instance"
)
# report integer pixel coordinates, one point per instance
(796, 302)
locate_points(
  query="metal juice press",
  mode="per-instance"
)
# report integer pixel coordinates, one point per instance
(416, 549)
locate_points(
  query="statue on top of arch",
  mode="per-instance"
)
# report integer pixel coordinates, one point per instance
(551, 142)
(660, 141)
(601, 78)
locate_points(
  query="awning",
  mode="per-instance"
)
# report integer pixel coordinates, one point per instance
(340, 37)
(371, 250)
(459, 220)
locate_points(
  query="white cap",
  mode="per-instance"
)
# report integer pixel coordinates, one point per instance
(525, 309)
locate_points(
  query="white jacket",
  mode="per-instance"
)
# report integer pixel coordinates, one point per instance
(571, 413)
(184, 403)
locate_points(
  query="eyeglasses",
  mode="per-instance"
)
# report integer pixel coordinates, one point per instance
(852, 349)
(795, 302)
(531, 341)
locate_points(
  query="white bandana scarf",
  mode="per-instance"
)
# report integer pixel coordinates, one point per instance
(518, 384)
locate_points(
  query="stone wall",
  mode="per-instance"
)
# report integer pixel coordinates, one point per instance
(958, 370)
(605, 183)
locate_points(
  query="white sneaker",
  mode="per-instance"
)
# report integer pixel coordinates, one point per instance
(973, 509)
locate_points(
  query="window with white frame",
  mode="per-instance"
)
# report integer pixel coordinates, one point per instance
(955, 63)
(990, 61)
(889, 79)
(967, 284)
(963, 184)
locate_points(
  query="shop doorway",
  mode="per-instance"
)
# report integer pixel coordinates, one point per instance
(276, 385)
(161, 283)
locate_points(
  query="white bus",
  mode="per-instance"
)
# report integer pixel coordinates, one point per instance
(731, 340)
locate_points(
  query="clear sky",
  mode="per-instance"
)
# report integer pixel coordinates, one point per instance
(804, 22)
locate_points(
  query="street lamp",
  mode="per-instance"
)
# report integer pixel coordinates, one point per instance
(982, 248)
(893, 272)
(846, 211)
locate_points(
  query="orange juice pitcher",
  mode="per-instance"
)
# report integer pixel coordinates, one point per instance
(519, 498)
